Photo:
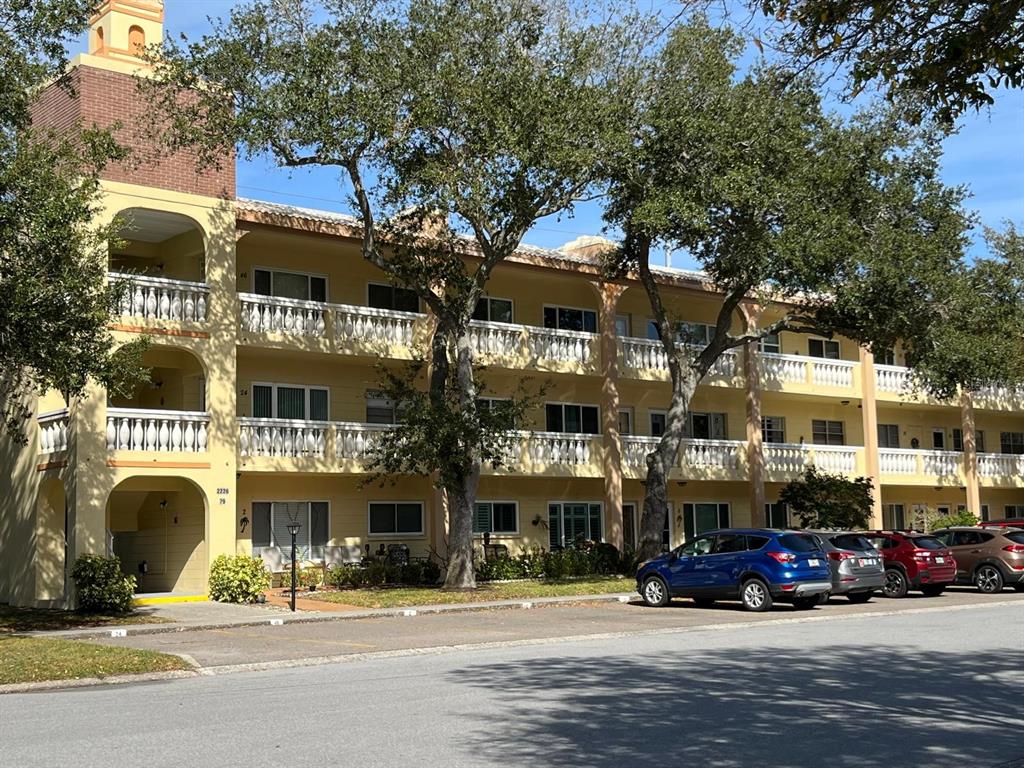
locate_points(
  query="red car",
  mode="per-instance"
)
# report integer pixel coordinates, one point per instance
(1009, 522)
(913, 561)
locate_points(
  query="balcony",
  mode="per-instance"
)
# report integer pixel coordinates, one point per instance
(785, 461)
(646, 359)
(1004, 470)
(698, 459)
(811, 375)
(53, 431)
(157, 431)
(920, 467)
(527, 346)
(157, 299)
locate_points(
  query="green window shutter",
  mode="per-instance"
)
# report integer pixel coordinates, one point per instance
(688, 521)
(554, 525)
(482, 518)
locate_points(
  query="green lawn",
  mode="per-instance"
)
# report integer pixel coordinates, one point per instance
(402, 597)
(33, 619)
(34, 659)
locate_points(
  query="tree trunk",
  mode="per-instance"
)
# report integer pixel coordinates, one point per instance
(463, 499)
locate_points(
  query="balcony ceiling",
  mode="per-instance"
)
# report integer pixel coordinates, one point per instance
(154, 226)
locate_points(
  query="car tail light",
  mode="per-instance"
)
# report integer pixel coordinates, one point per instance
(922, 554)
(1015, 548)
(840, 555)
(782, 557)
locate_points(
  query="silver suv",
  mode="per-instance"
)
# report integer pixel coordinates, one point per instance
(857, 568)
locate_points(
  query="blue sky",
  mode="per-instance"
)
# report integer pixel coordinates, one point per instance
(986, 155)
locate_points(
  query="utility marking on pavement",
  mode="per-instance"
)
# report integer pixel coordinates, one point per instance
(624, 598)
(119, 633)
(526, 605)
(408, 613)
(276, 622)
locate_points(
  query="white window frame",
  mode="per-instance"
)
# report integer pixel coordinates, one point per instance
(564, 403)
(635, 516)
(761, 345)
(827, 422)
(594, 312)
(650, 422)
(718, 512)
(397, 534)
(764, 431)
(940, 432)
(824, 341)
(497, 534)
(371, 394)
(1018, 511)
(890, 508)
(307, 524)
(496, 298)
(419, 301)
(628, 410)
(709, 330)
(887, 425)
(561, 517)
(307, 275)
(629, 325)
(273, 397)
(767, 513)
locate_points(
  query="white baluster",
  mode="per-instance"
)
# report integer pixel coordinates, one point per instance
(189, 438)
(150, 435)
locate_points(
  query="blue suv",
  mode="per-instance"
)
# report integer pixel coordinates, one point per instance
(754, 565)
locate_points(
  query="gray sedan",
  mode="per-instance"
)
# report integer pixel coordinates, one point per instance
(857, 568)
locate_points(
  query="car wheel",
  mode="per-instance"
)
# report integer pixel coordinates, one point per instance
(655, 592)
(805, 603)
(988, 579)
(860, 597)
(704, 602)
(933, 590)
(755, 596)
(895, 583)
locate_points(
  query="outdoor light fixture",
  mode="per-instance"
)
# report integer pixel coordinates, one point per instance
(293, 528)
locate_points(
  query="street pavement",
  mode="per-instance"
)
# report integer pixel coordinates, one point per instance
(840, 686)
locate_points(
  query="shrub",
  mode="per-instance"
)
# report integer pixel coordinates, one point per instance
(499, 569)
(101, 585)
(531, 562)
(313, 576)
(238, 579)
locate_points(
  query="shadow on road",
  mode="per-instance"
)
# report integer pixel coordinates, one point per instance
(779, 706)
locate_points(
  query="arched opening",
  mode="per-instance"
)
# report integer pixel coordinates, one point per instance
(159, 244)
(51, 540)
(157, 527)
(177, 382)
(136, 39)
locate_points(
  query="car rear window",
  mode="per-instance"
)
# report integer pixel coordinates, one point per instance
(799, 542)
(1017, 537)
(852, 541)
(927, 542)
(756, 542)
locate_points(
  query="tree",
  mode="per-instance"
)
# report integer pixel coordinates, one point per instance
(951, 54)
(55, 302)
(795, 212)
(822, 500)
(456, 124)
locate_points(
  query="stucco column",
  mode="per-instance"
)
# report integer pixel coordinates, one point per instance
(970, 439)
(755, 444)
(869, 415)
(608, 295)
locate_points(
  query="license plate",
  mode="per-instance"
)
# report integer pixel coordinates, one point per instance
(940, 559)
(814, 563)
(867, 561)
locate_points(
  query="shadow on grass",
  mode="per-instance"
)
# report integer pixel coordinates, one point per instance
(14, 620)
(855, 705)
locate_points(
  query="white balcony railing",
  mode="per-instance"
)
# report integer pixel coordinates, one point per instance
(563, 346)
(694, 454)
(282, 437)
(499, 339)
(910, 461)
(1000, 465)
(559, 448)
(136, 429)
(892, 378)
(368, 324)
(357, 441)
(790, 459)
(158, 298)
(798, 369)
(645, 354)
(53, 431)
(272, 314)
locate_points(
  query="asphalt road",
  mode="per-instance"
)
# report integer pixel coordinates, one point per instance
(920, 688)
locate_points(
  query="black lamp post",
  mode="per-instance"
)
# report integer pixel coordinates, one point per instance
(293, 529)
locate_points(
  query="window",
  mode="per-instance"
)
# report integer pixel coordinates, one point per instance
(942, 510)
(629, 523)
(825, 432)
(776, 515)
(388, 518)
(500, 406)
(697, 334)
(571, 418)
(888, 436)
(1011, 442)
(657, 423)
(625, 421)
(979, 441)
(704, 516)
(270, 520)
(770, 343)
(705, 426)
(1014, 511)
(289, 285)
(496, 517)
(570, 319)
(622, 326)
(773, 429)
(799, 542)
(701, 546)
(755, 543)
(729, 543)
(380, 409)
(984, 513)
(390, 297)
(826, 348)
(893, 517)
(966, 538)
(939, 439)
(572, 522)
(885, 357)
(958, 439)
(287, 401)
(494, 310)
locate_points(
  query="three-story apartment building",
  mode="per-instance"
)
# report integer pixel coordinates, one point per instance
(263, 405)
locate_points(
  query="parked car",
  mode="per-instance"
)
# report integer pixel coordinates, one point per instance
(756, 566)
(988, 558)
(1006, 522)
(913, 560)
(856, 566)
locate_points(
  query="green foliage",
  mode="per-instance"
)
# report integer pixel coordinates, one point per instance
(535, 563)
(823, 500)
(928, 519)
(238, 579)
(378, 572)
(951, 55)
(100, 585)
(307, 576)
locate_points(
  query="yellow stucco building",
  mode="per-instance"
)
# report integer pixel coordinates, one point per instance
(266, 327)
